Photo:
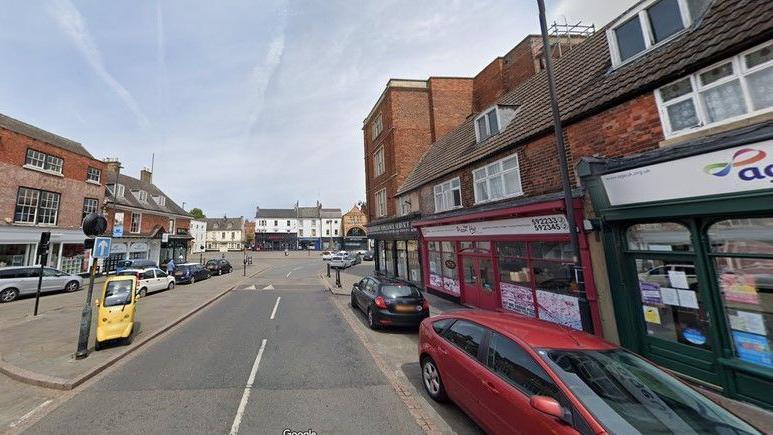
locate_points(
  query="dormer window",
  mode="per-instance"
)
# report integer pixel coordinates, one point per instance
(117, 192)
(650, 24)
(160, 200)
(141, 195)
(493, 120)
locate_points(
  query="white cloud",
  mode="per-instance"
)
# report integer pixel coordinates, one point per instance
(72, 23)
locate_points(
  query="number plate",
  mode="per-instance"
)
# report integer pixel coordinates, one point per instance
(406, 308)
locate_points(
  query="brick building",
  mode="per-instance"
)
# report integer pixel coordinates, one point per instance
(353, 229)
(669, 120)
(144, 222)
(48, 183)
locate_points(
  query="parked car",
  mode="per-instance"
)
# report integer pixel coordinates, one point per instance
(190, 273)
(660, 275)
(23, 280)
(116, 307)
(357, 259)
(368, 256)
(219, 266)
(341, 261)
(327, 255)
(149, 280)
(387, 302)
(134, 264)
(360, 252)
(516, 374)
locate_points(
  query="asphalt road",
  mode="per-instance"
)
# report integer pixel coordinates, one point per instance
(312, 373)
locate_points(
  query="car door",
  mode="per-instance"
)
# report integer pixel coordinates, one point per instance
(28, 280)
(459, 364)
(358, 290)
(158, 280)
(511, 377)
(52, 280)
(162, 278)
(148, 280)
(368, 293)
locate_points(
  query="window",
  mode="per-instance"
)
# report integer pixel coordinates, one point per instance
(36, 206)
(738, 87)
(377, 127)
(222, 235)
(652, 24)
(263, 223)
(44, 161)
(135, 224)
(487, 124)
(313, 232)
(313, 222)
(508, 360)
(300, 232)
(90, 205)
(378, 162)
(327, 232)
(448, 195)
(443, 271)
(233, 235)
(288, 223)
(501, 179)
(93, 174)
(276, 223)
(171, 225)
(659, 236)
(160, 200)
(335, 232)
(466, 336)
(141, 195)
(381, 204)
(117, 192)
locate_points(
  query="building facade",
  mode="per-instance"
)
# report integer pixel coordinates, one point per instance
(354, 229)
(198, 231)
(304, 228)
(48, 183)
(143, 221)
(225, 234)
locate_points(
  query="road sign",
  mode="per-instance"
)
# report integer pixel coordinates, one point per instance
(101, 247)
(118, 224)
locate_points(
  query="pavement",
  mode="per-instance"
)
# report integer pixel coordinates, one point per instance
(250, 363)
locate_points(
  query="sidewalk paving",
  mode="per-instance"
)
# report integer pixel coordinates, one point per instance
(40, 350)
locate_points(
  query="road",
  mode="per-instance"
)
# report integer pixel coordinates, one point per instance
(306, 368)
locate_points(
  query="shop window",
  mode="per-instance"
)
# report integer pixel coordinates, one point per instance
(743, 262)
(659, 236)
(475, 247)
(402, 259)
(736, 88)
(414, 269)
(443, 270)
(388, 257)
(13, 255)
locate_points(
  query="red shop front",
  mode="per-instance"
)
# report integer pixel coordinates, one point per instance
(515, 259)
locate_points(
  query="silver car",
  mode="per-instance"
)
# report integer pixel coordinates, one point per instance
(23, 280)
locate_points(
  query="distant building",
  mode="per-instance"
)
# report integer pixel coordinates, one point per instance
(276, 228)
(298, 228)
(198, 231)
(249, 233)
(353, 225)
(225, 234)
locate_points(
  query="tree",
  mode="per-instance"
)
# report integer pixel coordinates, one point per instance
(197, 213)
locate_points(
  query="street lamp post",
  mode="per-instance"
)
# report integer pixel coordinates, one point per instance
(93, 225)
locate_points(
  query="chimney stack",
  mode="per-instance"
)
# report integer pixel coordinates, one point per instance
(146, 176)
(113, 165)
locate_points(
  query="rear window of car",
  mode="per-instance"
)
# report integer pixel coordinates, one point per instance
(126, 273)
(124, 263)
(398, 291)
(185, 268)
(212, 263)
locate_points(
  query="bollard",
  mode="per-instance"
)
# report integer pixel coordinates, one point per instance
(328, 270)
(338, 278)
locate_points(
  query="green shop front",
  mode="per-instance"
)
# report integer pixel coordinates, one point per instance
(688, 239)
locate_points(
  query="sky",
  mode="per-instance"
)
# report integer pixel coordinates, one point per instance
(244, 103)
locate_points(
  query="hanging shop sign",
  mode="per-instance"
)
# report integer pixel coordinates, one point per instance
(740, 169)
(552, 224)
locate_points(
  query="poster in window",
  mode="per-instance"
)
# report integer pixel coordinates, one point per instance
(650, 293)
(559, 308)
(753, 348)
(451, 286)
(518, 299)
(739, 288)
(435, 281)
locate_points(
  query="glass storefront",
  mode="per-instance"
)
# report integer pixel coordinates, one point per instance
(443, 271)
(16, 254)
(389, 262)
(414, 263)
(402, 259)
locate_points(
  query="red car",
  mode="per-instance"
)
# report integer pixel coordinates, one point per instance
(514, 374)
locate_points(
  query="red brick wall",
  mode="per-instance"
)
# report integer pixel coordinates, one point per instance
(488, 85)
(518, 64)
(72, 186)
(147, 222)
(450, 102)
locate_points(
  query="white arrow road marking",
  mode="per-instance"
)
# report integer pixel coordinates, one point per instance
(247, 389)
(276, 305)
(251, 287)
(268, 287)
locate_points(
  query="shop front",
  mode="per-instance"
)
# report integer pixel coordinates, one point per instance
(397, 251)
(309, 243)
(176, 247)
(132, 248)
(515, 259)
(276, 241)
(690, 231)
(18, 247)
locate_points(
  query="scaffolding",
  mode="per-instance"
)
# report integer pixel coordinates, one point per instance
(565, 36)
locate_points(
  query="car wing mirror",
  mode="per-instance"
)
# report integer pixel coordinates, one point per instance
(547, 405)
(96, 302)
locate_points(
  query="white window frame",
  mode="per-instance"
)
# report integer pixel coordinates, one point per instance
(740, 72)
(644, 21)
(38, 205)
(43, 162)
(139, 223)
(171, 226)
(160, 200)
(87, 206)
(90, 172)
(118, 191)
(484, 115)
(487, 178)
(377, 127)
(378, 162)
(141, 195)
(444, 198)
(381, 204)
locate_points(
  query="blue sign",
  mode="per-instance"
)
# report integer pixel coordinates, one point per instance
(101, 247)
(118, 231)
(753, 348)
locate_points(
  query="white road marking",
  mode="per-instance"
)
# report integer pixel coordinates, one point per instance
(288, 273)
(268, 287)
(29, 414)
(276, 305)
(247, 389)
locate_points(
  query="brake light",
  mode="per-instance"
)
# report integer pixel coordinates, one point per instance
(425, 305)
(380, 302)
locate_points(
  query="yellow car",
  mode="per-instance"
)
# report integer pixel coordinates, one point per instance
(116, 309)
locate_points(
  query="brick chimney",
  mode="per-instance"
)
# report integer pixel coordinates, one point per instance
(146, 176)
(113, 165)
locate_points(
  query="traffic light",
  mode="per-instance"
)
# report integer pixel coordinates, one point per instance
(88, 244)
(45, 238)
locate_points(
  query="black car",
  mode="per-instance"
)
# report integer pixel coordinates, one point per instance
(389, 302)
(219, 267)
(190, 273)
(368, 256)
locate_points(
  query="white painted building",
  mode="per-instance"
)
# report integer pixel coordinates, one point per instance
(298, 228)
(198, 230)
(225, 234)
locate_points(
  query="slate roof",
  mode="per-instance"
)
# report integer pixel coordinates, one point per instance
(330, 213)
(308, 212)
(586, 84)
(44, 136)
(275, 213)
(128, 199)
(224, 223)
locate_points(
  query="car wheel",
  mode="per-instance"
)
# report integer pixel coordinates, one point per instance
(71, 286)
(371, 320)
(98, 345)
(170, 286)
(433, 384)
(143, 292)
(193, 280)
(9, 294)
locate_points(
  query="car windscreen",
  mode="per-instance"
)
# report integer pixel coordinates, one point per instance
(118, 293)
(399, 291)
(212, 263)
(124, 263)
(627, 394)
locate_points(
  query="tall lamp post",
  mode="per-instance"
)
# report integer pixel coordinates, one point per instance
(93, 225)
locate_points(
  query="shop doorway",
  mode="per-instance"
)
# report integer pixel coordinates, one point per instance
(478, 281)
